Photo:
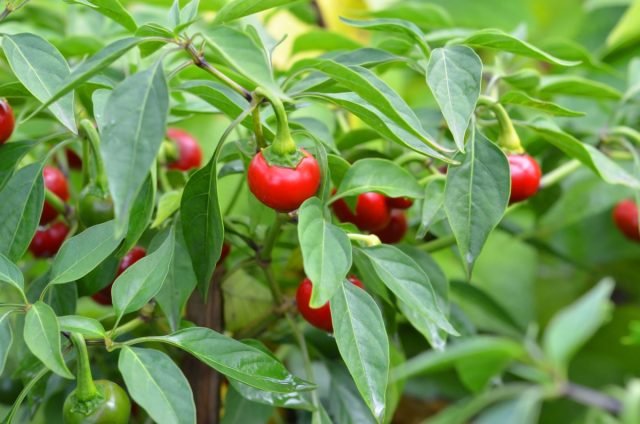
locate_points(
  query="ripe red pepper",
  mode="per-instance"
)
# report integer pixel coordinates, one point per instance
(625, 216)
(103, 297)
(56, 182)
(372, 212)
(395, 229)
(280, 188)
(525, 177)
(318, 317)
(399, 202)
(189, 151)
(47, 241)
(7, 121)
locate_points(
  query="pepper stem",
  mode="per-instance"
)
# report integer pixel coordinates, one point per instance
(94, 141)
(508, 137)
(86, 389)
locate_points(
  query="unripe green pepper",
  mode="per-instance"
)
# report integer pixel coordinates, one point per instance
(95, 207)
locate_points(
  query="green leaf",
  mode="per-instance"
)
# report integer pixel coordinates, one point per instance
(6, 338)
(519, 98)
(241, 52)
(112, 9)
(524, 79)
(379, 122)
(570, 85)
(380, 175)
(454, 75)
(91, 67)
(588, 155)
(20, 209)
(425, 15)
(86, 326)
(524, 409)
(134, 127)
(476, 196)
(574, 325)
(466, 349)
(11, 274)
(377, 93)
(235, 359)
(346, 406)
(168, 204)
(326, 251)
(432, 205)
(500, 40)
(80, 254)
(238, 409)
(156, 383)
(626, 31)
(144, 279)
(10, 156)
(239, 8)
(321, 39)
(41, 69)
(407, 280)
(363, 343)
(42, 336)
(392, 25)
(179, 284)
(293, 400)
(153, 30)
(202, 223)
(141, 212)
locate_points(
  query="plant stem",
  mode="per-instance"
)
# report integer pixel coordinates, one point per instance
(559, 173)
(55, 202)
(200, 61)
(589, 397)
(438, 244)
(94, 141)
(257, 129)
(508, 137)
(626, 132)
(86, 389)
(128, 327)
(272, 236)
(234, 197)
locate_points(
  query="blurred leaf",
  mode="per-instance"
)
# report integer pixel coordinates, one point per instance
(570, 85)
(323, 40)
(20, 209)
(626, 31)
(156, 383)
(345, 403)
(454, 76)
(466, 349)
(574, 325)
(88, 327)
(362, 340)
(6, 338)
(379, 175)
(239, 410)
(424, 15)
(80, 254)
(235, 359)
(524, 79)
(476, 196)
(11, 274)
(499, 40)
(112, 9)
(591, 157)
(432, 205)
(144, 279)
(42, 336)
(631, 403)
(133, 128)
(41, 69)
(168, 204)
(152, 30)
(519, 98)
(292, 400)
(326, 251)
(524, 409)
(239, 8)
(391, 25)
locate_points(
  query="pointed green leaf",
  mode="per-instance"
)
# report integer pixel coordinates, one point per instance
(571, 85)
(10, 273)
(42, 336)
(363, 343)
(326, 252)
(519, 98)
(144, 279)
(239, 8)
(156, 383)
(380, 175)
(80, 254)
(133, 129)
(20, 210)
(476, 196)
(79, 324)
(454, 75)
(112, 9)
(42, 70)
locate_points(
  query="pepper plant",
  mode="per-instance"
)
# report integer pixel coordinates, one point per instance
(411, 212)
